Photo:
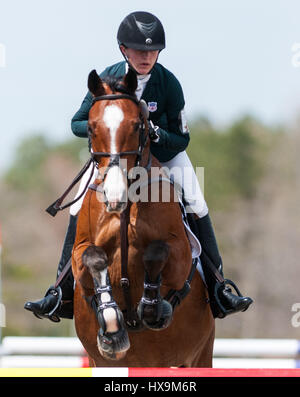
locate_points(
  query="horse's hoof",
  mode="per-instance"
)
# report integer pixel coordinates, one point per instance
(114, 345)
(149, 317)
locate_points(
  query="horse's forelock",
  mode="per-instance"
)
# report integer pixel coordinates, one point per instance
(116, 84)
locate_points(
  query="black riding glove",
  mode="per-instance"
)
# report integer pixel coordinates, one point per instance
(153, 132)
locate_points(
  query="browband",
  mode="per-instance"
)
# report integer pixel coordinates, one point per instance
(110, 97)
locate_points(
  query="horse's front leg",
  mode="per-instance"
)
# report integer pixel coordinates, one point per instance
(113, 341)
(155, 312)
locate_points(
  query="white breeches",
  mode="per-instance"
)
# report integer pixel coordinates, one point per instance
(180, 170)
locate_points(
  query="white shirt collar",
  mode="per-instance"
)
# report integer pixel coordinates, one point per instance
(142, 80)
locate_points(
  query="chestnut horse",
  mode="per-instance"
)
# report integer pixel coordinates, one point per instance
(128, 255)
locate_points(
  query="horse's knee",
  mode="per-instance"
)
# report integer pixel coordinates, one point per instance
(156, 251)
(155, 257)
(95, 259)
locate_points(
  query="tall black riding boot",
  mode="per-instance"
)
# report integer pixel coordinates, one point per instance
(222, 300)
(58, 301)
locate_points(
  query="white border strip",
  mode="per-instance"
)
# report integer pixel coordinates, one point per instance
(110, 372)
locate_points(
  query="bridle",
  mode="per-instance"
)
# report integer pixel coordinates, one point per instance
(115, 157)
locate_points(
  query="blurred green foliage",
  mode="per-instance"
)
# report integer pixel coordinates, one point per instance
(26, 173)
(232, 157)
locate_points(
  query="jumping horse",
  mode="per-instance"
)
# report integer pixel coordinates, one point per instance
(132, 260)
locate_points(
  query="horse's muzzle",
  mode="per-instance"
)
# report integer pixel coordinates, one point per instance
(115, 190)
(115, 206)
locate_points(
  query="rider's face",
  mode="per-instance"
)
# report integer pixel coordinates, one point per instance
(142, 61)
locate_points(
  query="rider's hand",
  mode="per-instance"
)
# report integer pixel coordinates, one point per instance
(153, 132)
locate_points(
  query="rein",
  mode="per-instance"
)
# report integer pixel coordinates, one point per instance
(57, 205)
(131, 317)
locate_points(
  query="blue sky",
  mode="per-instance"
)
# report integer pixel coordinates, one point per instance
(231, 56)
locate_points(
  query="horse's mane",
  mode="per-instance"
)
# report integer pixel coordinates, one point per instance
(116, 85)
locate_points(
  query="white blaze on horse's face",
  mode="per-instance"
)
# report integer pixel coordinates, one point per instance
(113, 117)
(115, 184)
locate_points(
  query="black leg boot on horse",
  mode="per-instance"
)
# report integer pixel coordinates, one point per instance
(112, 339)
(58, 300)
(222, 300)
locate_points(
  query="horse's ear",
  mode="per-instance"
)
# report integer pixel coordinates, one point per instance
(130, 81)
(95, 84)
(144, 109)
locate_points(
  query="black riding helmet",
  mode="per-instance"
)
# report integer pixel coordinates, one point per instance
(142, 31)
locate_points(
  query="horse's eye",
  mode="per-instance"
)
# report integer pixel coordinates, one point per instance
(90, 130)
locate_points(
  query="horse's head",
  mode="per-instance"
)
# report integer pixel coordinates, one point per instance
(117, 134)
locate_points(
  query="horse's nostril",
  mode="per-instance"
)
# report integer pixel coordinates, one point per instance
(115, 206)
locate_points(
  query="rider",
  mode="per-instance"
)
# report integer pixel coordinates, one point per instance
(140, 38)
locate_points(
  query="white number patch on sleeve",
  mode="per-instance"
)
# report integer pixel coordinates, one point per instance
(183, 123)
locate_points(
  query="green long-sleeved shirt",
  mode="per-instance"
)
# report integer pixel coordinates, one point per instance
(164, 96)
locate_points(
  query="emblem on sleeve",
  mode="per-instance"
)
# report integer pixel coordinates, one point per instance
(152, 106)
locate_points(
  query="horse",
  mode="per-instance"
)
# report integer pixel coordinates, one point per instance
(129, 255)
